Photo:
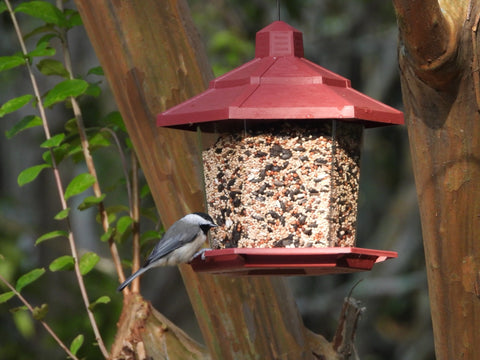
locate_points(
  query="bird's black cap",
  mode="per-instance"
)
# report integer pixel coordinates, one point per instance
(205, 216)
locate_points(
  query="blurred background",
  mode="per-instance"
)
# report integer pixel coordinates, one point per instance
(356, 39)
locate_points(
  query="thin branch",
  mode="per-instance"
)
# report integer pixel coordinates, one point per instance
(135, 214)
(59, 184)
(121, 154)
(44, 324)
(87, 155)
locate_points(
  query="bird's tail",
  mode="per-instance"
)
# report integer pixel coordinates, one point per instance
(131, 277)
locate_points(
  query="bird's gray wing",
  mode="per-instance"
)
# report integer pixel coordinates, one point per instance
(168, 244)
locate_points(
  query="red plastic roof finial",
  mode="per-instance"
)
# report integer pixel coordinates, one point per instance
(280, 84)
(279, 39)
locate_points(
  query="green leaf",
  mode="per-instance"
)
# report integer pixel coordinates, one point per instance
(44, 41)
(93, 90)
(28, 278)
(18, 308)
(26, 123)
(43, 49)
(65, 262)
(76, 344)
(52, 67)
(64, 90)
(97, 70)
(123, 224)
(144, 191)
(59, 153)
(114, 120)
(39, 313)
(54, 141)
(75, 152)
(3, 7)
(71, 126)
(30, 174)
(73, 18)
(107, 235)
(23, 322)
(10, 62)
(6, 296)
(112, 212)
(98, 140)
(44, 11)
(101, 300)
(88, 262)
(79, 184)
(90, 201)
(62, 214)
(51, 235)
(14, 104)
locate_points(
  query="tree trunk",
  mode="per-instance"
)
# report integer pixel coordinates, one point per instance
(439, 62)
(152, 58)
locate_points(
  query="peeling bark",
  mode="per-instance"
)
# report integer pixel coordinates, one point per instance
(442, 115)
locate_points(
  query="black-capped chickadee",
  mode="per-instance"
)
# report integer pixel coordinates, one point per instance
(180, 243)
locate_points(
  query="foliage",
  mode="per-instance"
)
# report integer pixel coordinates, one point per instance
(75, 144)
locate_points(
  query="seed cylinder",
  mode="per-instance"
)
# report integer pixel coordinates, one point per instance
(284, 184)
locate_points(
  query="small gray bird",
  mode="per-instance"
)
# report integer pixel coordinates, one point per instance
(180, 243)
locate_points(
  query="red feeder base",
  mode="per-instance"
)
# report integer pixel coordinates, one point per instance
(289, 261)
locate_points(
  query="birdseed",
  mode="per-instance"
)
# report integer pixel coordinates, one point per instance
(287, 185)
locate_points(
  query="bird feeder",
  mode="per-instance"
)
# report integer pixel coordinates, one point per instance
(281, 160)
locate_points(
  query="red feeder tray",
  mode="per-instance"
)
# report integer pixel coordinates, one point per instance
(289, 261)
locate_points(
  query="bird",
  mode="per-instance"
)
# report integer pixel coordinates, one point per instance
(180, 244)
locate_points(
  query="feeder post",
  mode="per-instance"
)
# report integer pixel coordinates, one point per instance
(439, 63)
(149, 52)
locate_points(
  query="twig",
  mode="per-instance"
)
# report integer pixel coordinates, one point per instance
(45, 325)
(87, 155)
(124, 163)
(135, 215)
(344, 339)
(59, 184)
(353, 287)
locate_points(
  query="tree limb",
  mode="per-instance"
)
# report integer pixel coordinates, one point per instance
(443, 124)
(428, 37)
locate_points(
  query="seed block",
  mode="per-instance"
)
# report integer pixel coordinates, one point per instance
(285, 185)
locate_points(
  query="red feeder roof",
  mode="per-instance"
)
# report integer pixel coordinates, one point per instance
(280, 84)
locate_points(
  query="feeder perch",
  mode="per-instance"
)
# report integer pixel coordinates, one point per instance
(282, 138)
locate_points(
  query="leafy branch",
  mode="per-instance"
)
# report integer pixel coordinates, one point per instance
(38, 313)
(87, 155)
(78, 143)
(69, 89)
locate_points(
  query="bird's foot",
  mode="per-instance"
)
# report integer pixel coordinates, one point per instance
(201, 253)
